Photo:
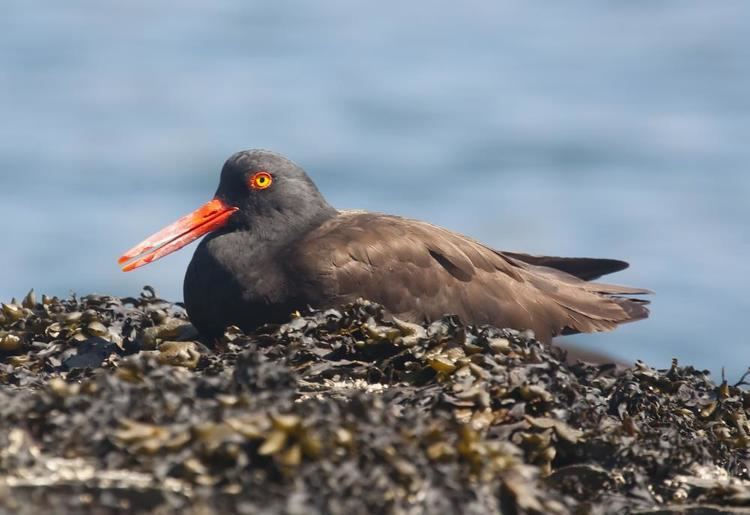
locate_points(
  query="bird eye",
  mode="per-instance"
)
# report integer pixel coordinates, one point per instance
(261, 181)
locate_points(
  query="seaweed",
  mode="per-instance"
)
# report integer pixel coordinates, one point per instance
(114, 405)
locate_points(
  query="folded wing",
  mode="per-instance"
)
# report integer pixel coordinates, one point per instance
(419, 271)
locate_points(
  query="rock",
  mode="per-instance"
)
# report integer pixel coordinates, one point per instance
(90, 353)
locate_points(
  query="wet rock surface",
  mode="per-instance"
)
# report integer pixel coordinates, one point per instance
(114, 405)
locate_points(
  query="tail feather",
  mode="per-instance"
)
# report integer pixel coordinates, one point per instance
(635, 309)
(616, 289)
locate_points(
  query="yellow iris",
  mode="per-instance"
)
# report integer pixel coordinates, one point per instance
(261, 180)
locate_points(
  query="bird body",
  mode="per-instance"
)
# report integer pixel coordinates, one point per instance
(278, 248)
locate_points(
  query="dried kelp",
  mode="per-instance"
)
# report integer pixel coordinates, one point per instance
(111, 404)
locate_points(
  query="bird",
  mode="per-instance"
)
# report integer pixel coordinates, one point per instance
(273, 245)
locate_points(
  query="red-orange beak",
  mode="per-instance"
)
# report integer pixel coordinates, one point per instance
(207, 218)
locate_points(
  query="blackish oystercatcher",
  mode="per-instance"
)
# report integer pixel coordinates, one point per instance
(275, 245)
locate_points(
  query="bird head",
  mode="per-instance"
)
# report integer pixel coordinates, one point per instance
(260, 192)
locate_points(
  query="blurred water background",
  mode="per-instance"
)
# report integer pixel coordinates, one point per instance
(611, 129)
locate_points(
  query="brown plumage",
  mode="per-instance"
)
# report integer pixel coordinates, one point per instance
(275, 246)
(420, 272)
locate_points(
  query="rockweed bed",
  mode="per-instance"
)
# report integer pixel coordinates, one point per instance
(114, 405)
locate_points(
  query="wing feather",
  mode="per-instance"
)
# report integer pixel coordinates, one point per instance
(420, 271)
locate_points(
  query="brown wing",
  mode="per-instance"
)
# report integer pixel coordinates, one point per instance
(584, 268)
(419, 271)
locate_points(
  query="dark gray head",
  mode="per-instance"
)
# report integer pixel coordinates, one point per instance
(271, 192)
(260, 192)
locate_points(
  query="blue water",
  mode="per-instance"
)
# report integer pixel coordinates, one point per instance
(615, 129)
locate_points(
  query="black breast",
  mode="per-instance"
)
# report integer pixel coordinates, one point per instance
(228, 283)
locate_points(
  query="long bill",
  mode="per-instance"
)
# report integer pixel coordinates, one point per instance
(209, 217)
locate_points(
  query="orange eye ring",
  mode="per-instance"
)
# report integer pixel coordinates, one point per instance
(261, 181)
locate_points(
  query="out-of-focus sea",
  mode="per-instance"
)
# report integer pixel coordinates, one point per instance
(614, 129)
